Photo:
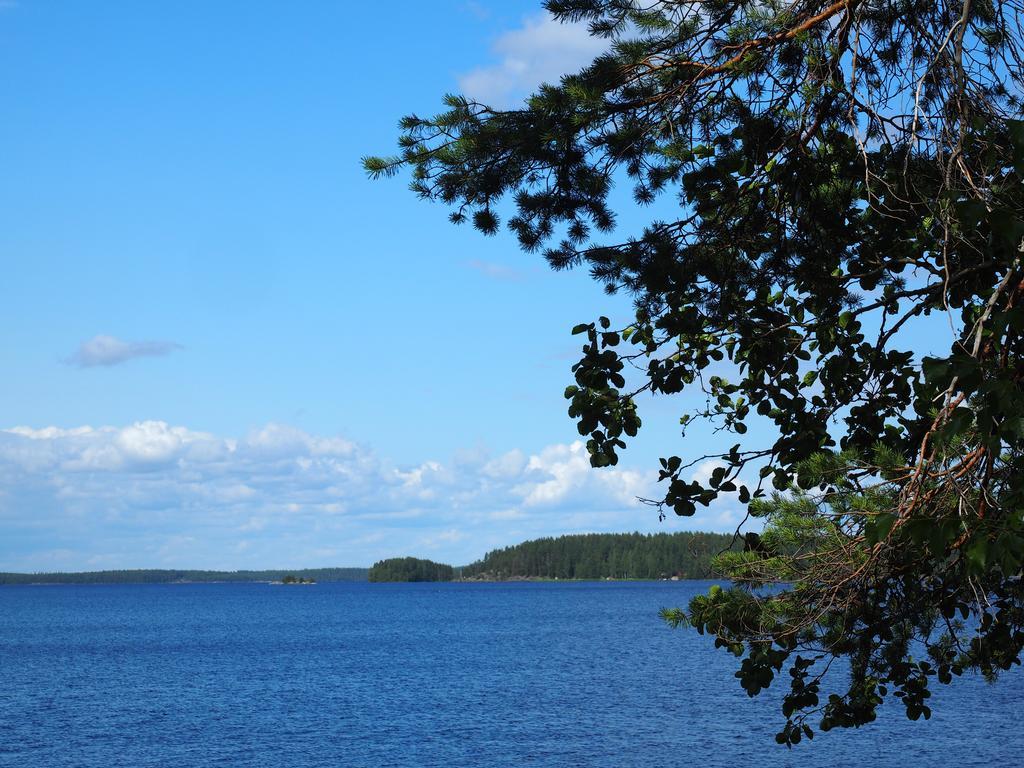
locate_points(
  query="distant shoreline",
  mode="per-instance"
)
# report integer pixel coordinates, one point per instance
(681, 556)
(182, 576)
(512, 580)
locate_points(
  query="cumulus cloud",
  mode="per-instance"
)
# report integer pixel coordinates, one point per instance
(152, 494)
(541, 50)
(562, 472)
(105, 350)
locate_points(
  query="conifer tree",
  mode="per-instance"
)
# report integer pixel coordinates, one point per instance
(821, 175)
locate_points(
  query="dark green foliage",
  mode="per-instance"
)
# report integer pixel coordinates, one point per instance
(605, 555)
(176, 576)
(410, 569)
(293, 579)
(912, 626)
(821, 175)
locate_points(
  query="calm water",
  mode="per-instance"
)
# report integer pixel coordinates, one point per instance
(417, 675)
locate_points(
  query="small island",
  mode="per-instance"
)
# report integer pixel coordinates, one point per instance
(291, 579)
(410, 569)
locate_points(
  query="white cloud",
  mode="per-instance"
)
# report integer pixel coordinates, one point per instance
(726, 512)
(560, 472)
(505, 466)
(155, 441)
(108, 350)
(703, 471)
(152, 494)
(541, 50)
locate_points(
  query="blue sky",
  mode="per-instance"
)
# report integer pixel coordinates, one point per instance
(224, 347)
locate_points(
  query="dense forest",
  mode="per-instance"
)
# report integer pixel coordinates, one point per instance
(605, 555)
(410, 569)
(149, 576)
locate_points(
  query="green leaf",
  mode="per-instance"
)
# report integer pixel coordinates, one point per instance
(977, 554)
(879, 526)
(935, 370)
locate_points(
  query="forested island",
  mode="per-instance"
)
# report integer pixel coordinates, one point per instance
(584, 556)
(684, 555)
(161, 576)
(293, 579)
(410, 569)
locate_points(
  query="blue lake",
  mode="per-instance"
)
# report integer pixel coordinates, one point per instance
(553, 674)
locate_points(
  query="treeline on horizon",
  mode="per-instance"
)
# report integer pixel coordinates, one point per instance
(410, 569)
(164, 576)
(686, 555)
